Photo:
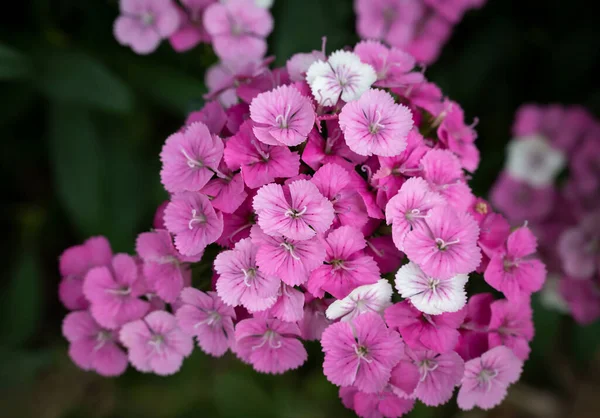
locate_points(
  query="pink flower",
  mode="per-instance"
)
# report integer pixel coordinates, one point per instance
(190, 159)
(487, 378)
(114, 292)
(512, 270)
(93, 347)
(226, 192)
(241, 282)
(579, 248)
(375, 405)
(314, 321)
(445, 244)
(236, 226)
(205, 316)
(519, 201)
(193, 221)
(298, 213)
(473, 332)
(346, 266)
(361, 353)
(375, 124)
(511, 324)
(459, 138)
(439, 375)
(156, 344)
(212, 115)
(298, 64)
(583, 298)
(191, 30)
(238, 29)
(270, 345)
(290, 304)
(282, 116)
(144, 23)
(74, 264)
(260, 163)
(367, 298)
(290, 260)
(333, 149)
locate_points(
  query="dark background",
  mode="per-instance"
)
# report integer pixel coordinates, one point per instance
(82, 121)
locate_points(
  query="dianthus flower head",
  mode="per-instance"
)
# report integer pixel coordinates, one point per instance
(191, 30)
(298, 64)
(375, 405)
(511, 325)
(579, 248)
(459, 137)
(367, 298)
(333, 149)
(534, 161)
(519, 201)
(227, 191)
(290, 304)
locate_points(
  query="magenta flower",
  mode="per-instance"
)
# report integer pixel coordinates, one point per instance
(487, 378)
(212, 115)
(333, 149)
(367, 298)
(226, 192)
(579, 248)
(473, 332)
(521, 202)
(511, 324)
(459, 138)
(114, 292)
(144, 23)
(191, 29)
(582, 297)
(314, 321)
(299, 212)
(361, 353)
(194, 222)
(236, 225)
(74, 263)
(375, 124)
(346, 265)
(290, 304)
(238, 29)
(156, 344)
(282, 116)
(445, 244)
(260, 163)
(241, 282)
(205, 316)
(93, 347)
(375, 405)
(190, 158)
(270, 345)
(512, 270)
(439, 375)
(384, 252)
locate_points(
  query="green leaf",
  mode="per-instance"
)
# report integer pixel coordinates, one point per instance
(13, 64)
(238, 395)
(21, 367)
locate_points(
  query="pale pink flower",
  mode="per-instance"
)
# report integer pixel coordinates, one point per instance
(191, 29)
(384, 404)
(290, 304)
(439, 375)
(367, 298)
(298, 64)
(511, 324)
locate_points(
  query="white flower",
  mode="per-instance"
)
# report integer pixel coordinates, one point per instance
(368, 298)
(342, 75)
(428, 294)
(534, 161)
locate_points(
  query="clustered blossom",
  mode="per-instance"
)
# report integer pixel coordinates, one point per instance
(338, 207)
(552, 180)
(420, 27)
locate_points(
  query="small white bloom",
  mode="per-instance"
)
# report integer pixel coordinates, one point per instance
(368, 298)
(534, 161)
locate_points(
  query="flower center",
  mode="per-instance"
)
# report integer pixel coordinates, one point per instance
(102, 338)
(213, 319)
(362, 352)
(293, 213)
(290, 248)
(157, 341)
(196, 219)
(283, 120)
(414, 214)
(192, 163)
(121, 291)
(270, 337)
(426, 366)
(147, 18)
(264, 155)
(376, 125)
(482, 208)
(249, 275)
(443, 245)
(485, 378)
(433, 284)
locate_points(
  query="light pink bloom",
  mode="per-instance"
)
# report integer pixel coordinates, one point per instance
(93, 347)
(583, 298)
(191, 29)
(290, 304)
(511, 324)
(241, 282)
(144, 23)
(156, 344)
(220, 81)
(205, 316)
(346, 266)
(282, 116)
(270, 345)
(314, 321)
(114, 292)
(298, 64)
(298, 213)
(367, 298)
(361, 353)
(521, 202)
(487, 378)
(405, 377)
(384, 404)
(212, 115)
(375, 124)
(579, 248)
(439, 375)
(74, 263)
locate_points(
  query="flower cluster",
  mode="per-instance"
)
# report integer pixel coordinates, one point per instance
(421, 27)
(552, 179)
(329, 181)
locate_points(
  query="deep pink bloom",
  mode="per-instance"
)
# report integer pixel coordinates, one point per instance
(459, 137)
(226, 192)
(74, 263)
(375, 124)
(314, 321)
(159, 222)
(260, 163)
(299, 212)
(220, 80)
(579, 248)
(144, 23)
(270, 345)
(93, 347)
(473, 332)
(361, 353)
(346, 266)
(384, 252)
(237, 225)
(405, 377)
(212, 115)
(282, 116)
(205, 316)
(290, 304)
(191, 29)
(439, 375)
(511, 324)
(384, 404)
(583, 298)
(156, 343)
(585, 163)
(114, 292)
(432, 33)
(487, 378)
(333, 149)
(519, 201)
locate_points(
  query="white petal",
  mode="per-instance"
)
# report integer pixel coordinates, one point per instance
(368, 298)
(317, 69)
(533, 160)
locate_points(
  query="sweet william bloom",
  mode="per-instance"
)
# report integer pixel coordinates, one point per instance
(270, 345)
(114, 292)
(299, 212)
(582, 297)
(194, 222)
(439, 375)
(473, 332)
(212, 115)
(361, 353)
(290, 304)
(459, 137)
(343, 76)
(314, 321)
(282, 116)
(375, 125)
(205, 316)
(368, 298)
(74, 263)
(156, 343)
(236, 226)
(93, 347)
(521, 202)
(191, 29)
(445, 244)
(384, 404)
(487, 378)
(579, 248)
(298, 64)
(511, 325)
(534, 161)
(226, 192)
(144, 23)
(384, 252)
(428, 294)
(346, 266)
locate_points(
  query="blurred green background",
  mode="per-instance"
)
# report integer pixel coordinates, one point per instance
(82, 122)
